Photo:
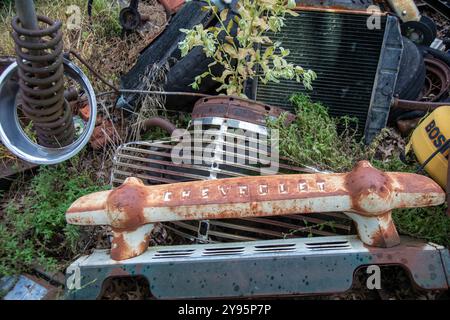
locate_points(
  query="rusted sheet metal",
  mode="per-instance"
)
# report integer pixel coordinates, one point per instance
(130, 243)
(172, 6)
(367, 193)
(239, 109)
(405, 9)
(343, 4)
(338, 6)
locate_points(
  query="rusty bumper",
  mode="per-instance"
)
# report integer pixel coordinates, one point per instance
(365, 194)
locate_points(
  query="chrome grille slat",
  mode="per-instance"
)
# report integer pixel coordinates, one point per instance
(151, 161)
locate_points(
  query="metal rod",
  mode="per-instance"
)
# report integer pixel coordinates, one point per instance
(91, 69)
(418, 105)
(26, 12)
(163, 93)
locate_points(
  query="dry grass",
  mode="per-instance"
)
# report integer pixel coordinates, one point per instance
(98, 40)
(151, 105)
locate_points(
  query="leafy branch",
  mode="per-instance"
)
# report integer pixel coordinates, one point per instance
(250, 53)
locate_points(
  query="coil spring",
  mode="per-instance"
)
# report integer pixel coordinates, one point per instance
(41, 81)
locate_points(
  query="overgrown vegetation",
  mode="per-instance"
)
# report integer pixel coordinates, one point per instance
(240, 44)
(33, 230)
(32, 221)
(319, 140)
(313, 138)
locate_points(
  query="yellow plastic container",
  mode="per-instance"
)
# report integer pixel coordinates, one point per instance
(432, 133)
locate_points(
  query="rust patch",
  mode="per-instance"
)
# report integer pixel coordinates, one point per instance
(247, 190)
(88, 203)
(365, 180)
(126, 205)
(121, 249)
(415, 183)
(337, 9)
(238, 109)
(386, 237)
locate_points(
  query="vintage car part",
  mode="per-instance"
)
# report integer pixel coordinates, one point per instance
(420, 29)
(233, 120)
(32, 93)
(431, 144)
(268, 268)
(421, 32)
(13, 135)
(357, 66)
(405, 9)
(365, 194)
(164, 50)
(39, 49)
(412, 72)
(130, 17)
(434, 89)
(437, 84)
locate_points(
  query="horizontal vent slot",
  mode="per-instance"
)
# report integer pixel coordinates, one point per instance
(227, 251)
(161, 254)
(274, 248)
(331, 245)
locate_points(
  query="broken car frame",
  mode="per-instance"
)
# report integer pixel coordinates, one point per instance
(365, 194)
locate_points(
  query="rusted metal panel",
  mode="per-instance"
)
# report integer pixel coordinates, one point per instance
(365, 191)
(338, 6)
(239, 109)
(130, 243)
(301, 266)
(172, 6)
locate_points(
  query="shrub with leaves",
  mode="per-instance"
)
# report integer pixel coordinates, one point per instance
(241, 45)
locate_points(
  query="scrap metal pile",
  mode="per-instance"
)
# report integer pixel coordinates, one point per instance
(382, 62)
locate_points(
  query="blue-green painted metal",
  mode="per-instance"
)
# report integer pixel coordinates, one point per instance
(262, 268)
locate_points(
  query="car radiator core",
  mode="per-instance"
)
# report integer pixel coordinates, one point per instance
(356, 67)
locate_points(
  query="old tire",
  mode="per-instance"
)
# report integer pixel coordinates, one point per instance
(182, 74)
(411, 76)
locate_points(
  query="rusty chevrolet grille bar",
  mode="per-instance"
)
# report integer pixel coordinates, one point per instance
(365, 194)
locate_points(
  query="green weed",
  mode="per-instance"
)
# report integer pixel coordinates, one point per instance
(314, 139)
(33, 229)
